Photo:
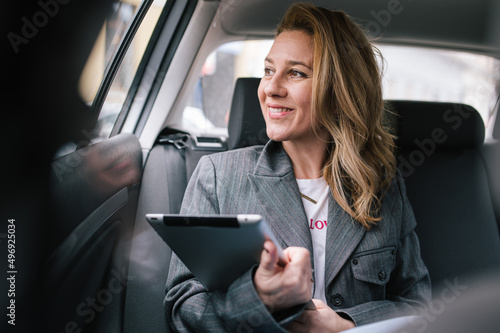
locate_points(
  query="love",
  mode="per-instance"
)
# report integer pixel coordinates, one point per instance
(318, 224)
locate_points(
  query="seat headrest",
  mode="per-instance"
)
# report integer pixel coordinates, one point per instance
(247, 126)
(448, 125)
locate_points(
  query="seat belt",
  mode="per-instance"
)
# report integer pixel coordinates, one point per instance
(174, 147)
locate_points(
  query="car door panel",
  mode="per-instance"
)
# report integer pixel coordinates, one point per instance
(93, 209)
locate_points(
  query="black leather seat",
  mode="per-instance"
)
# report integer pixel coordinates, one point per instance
(448, 187)
(247, 126)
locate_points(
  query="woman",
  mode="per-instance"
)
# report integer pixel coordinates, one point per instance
(327, 185)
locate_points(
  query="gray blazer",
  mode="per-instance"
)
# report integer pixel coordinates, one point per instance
(369, 275)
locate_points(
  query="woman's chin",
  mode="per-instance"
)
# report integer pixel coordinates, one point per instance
(277, 136)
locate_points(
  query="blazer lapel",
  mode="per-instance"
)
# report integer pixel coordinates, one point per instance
(343, 236)
(278, 194)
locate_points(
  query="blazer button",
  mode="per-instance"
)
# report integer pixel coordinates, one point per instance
(337, 300)
(354, 261)
(382, 276)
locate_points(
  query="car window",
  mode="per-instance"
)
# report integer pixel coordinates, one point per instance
(209, 105)
(425, 74)
(103, 53)
(410, 73)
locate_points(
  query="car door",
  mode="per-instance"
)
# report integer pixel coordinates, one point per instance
(78, 69)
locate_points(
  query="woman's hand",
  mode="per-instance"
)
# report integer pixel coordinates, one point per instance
(323, 319)
(281, 287)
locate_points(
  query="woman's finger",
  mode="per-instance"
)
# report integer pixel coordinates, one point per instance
(269, 257)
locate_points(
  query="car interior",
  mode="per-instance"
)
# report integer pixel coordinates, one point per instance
(101, 266)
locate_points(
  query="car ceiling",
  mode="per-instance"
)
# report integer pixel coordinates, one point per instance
(461, 24)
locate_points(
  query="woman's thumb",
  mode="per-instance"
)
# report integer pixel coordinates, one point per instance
(269, 256)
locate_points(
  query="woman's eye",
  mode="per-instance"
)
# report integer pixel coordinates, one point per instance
(268, 71)
(296, 73)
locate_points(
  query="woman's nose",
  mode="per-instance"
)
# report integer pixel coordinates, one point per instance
(275, 87)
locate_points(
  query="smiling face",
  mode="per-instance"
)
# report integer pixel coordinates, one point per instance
(286, 88)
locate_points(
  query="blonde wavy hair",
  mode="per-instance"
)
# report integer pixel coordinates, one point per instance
(347, 102)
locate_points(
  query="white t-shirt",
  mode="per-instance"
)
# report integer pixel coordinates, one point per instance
(317, 217)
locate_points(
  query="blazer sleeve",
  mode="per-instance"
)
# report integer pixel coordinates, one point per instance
(189, 307)
(409, 289)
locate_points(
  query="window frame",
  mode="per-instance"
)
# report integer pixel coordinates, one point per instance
(113, 66)
(170, 33)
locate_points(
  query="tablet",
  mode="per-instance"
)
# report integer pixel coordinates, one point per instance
(217, 249)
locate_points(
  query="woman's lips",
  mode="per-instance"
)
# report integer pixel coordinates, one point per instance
(278, 111)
